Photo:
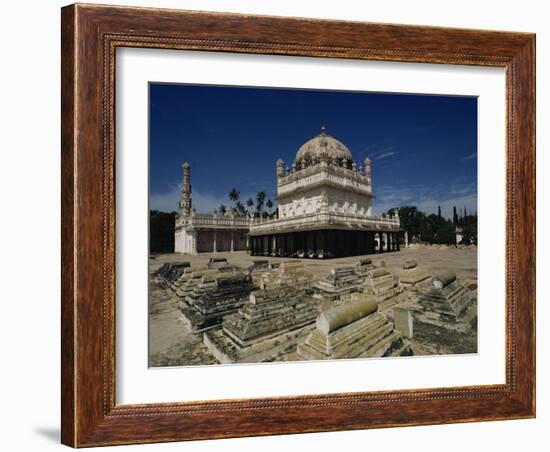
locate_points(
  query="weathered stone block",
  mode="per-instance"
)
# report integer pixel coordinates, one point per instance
(403, 320)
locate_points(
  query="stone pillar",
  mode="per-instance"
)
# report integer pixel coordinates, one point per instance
(191, 245)
(406, 239)
(214, 244)
(232, 244)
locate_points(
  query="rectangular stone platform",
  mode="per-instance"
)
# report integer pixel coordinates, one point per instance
(354, 330)
(226, 351)
(289, 273)
(214, 297)
(338, 283)
(264, 326)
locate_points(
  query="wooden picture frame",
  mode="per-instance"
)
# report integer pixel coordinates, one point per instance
(90, 36)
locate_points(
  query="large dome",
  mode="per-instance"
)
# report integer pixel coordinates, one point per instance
(323, 145)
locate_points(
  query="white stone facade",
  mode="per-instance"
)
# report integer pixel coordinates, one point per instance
(324, 179)
(206, 233)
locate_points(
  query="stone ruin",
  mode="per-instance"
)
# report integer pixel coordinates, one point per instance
(214, 296)
(169, 272)
(190, 278)
(413, 279)
(220, 264)
(353, 330)
(447, 304)
(338, 284)
(383, 287)
(291, 273)
(268, 325)
(259, 268)
(277, 323)
(364, 266)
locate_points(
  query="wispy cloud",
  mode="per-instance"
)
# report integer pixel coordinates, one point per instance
(385, 155)
(427, 197)
(378, 152)
(470, 157)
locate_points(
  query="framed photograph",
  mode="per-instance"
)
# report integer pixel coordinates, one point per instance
(281, 225)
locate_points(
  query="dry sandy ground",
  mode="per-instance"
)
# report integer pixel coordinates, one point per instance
(171, 344)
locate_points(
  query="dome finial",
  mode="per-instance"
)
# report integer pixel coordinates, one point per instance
(323, 130)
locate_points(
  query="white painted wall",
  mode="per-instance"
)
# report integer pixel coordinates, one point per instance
(29, 178)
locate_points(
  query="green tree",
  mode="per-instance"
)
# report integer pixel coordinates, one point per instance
(469, 230)
(260, 200)
(239, 207)
(269, 205)
(445, 233)
(161, 231)
(428, 228)
(250, 202)
(234, 195)
(411, 221)
(222, 209)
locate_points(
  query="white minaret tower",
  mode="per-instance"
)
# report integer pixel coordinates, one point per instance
(185, 201)
(368, 167)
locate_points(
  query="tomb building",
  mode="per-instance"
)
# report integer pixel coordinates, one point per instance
(259, 268)
(170, 272)
(289, 273)
(186, 283)
(353, 330)
(325, 207)
(206, 233)
(447, 304)
(381, 286)
(364, 266)
(268, 325)
(340, 282)
(412, 278)
(215, 296)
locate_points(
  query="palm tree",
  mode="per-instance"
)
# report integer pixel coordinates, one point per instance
(234, 195)
(269, 205)
(222, 209)
(250, 202)
(260, 199)
(239, 207)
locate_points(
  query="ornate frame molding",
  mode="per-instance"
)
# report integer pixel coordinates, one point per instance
(90, 37)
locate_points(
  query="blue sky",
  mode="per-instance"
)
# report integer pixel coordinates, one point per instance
(423, 148)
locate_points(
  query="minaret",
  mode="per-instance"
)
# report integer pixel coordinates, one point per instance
(185, 201)
(280, 168)
(368, 168)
